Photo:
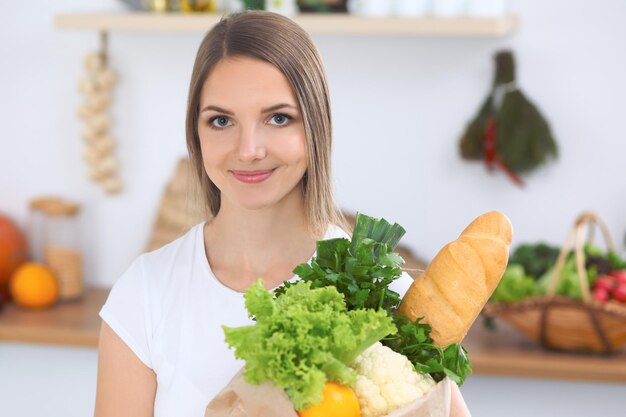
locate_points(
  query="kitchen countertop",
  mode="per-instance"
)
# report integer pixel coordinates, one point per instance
(502, 352)
(507, 352)
(69, 323)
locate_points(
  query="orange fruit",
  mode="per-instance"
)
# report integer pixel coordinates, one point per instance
(338, 401)
(33, 285)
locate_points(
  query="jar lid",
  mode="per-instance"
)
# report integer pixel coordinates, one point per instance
(40, 203)
(55, 207)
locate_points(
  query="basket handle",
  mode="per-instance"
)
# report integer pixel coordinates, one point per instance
(577, 239)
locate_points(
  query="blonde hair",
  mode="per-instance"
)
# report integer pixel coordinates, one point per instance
(277, 40)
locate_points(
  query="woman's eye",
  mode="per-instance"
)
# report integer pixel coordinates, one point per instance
(220, 121)
(280, 119)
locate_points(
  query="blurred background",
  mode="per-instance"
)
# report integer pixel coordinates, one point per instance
(400, 102)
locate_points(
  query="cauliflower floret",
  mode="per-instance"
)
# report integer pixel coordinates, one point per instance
(386, 381)
(370, 398)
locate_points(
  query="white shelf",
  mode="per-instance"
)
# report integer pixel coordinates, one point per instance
(314, 23)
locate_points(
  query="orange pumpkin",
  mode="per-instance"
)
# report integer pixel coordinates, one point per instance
(13, 250)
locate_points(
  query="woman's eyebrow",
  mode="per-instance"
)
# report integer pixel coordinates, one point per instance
(277, 107)
(217, 109)
(266, 110)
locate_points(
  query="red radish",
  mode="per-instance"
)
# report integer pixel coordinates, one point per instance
(600, 294)
(620, 275)
(605, 282)
(619, 293)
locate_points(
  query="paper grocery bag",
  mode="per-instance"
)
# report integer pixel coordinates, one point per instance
(240, 399)
(434, 404)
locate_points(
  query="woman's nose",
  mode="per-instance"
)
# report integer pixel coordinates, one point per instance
(251, 145)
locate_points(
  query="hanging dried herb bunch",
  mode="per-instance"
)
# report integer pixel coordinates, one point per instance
(508, 133)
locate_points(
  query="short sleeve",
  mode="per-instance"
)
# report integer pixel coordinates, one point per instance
(126, 311)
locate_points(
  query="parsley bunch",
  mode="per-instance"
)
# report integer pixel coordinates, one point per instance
(361, 269)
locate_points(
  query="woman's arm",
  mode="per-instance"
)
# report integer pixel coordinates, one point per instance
(458, 408)
(126, 387)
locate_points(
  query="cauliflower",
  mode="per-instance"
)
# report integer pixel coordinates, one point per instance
(386, 381)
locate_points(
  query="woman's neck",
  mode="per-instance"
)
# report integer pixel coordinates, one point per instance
(243, 245)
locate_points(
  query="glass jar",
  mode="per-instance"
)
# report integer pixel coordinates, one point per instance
(158, 6)
(62, 251)
(37, 226)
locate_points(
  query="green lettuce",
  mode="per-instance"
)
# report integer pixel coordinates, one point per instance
(515, 285)
(303, 338)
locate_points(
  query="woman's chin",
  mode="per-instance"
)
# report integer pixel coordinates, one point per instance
(263, 203)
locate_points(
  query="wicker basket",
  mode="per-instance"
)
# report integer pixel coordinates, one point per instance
(561, 323)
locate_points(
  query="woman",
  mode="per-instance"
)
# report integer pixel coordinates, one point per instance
(259, 138)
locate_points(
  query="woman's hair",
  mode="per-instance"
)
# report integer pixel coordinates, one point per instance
(277, 40)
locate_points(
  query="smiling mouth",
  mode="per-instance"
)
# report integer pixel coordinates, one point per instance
(252, 177)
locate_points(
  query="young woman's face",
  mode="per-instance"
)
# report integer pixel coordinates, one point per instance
(251, 134)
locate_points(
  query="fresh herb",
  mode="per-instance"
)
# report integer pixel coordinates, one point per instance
(413, 341)
(362, 269)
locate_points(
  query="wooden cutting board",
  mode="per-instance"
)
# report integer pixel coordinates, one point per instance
(179, 209)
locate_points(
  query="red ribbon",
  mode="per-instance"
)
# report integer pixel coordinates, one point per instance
(492, 160)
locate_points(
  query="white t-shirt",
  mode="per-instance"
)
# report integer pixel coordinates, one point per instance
(168, 307)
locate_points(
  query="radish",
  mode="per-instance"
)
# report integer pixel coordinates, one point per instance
(600, 294)
(619, 292)
(620, 275)
(605, 282)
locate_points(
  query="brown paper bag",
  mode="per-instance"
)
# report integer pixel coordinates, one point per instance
(240, 399)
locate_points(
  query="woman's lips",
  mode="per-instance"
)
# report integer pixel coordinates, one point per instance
(252, 177)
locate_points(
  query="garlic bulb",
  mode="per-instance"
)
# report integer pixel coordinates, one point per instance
(96, 88)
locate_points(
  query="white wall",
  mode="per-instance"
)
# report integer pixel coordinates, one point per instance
(399, 106)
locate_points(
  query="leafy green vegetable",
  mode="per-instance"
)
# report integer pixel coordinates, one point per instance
(535, 259)
(616, 261)
(303, 338)
(568, 280)
(413, 341)
(531, 266)
(362, 274)
(515, 285)
(362, 269)
(604, 261)
(378, 230)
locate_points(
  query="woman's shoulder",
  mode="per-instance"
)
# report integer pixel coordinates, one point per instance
(155, 270)
(153, 274)
(178, 250)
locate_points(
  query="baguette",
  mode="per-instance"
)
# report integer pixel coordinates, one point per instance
(455, 286)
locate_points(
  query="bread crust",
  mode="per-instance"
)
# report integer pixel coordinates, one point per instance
(460, 279)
